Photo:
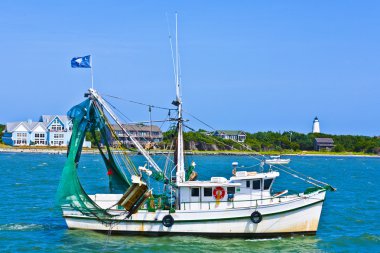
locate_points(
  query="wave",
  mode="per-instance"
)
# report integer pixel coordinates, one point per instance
(263, 239)
(21, 227)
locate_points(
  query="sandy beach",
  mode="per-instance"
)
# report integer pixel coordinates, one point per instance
(159, 152)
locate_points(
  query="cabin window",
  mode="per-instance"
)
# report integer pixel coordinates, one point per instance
(256, 184)
(207, 192)
(194, 192)
(248, 184)
(267, 183)
(230, 190)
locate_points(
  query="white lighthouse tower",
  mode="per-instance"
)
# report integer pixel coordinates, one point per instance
(316, 128)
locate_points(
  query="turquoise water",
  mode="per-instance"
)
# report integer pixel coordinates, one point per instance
(30, 221)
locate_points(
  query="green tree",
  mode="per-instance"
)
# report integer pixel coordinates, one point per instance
(338, 148)
(2, 127)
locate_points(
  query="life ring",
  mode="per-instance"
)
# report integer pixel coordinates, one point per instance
(256, 217)
(219, 192)
(168, 221)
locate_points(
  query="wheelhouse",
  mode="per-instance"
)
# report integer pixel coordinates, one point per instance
(218, 192)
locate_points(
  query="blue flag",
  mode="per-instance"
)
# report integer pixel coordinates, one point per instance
(81, 62)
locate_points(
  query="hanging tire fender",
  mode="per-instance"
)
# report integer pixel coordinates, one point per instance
(256, 217)
(168, 221)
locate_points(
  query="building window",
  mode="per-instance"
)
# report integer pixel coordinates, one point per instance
(230, 190)
(56, 126)
(194, 192)
(39, 139)
(21, 139)
(58, 140)
(256, 184)
(267, 183)
(207, 192)
(248, 184)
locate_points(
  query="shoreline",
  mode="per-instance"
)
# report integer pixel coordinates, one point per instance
(160, 152)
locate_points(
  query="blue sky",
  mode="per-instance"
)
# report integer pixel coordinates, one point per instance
(250, 65)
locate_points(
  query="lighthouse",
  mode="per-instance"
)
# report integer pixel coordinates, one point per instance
(316, 128)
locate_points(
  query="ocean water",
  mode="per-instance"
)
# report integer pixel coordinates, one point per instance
(30, 221)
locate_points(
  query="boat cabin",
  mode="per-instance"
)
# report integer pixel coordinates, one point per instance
(240, 191)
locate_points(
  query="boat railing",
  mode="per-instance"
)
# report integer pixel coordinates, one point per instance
(189, 205)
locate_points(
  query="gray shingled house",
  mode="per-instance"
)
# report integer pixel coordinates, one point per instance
(323, 144)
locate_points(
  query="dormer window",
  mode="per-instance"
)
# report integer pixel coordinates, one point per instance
(56, 126)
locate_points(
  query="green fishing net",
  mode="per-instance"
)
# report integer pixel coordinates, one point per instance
(87, 117)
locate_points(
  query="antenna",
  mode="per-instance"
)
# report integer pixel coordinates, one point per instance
(171, 47)
(176, 58)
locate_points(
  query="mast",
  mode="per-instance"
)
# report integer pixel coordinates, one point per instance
(179, 154)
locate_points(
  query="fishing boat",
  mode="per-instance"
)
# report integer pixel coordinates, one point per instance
(276, 159)
(243, 205)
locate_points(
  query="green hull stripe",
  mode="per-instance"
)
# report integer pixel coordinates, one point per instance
(183, 221)
(211, 235)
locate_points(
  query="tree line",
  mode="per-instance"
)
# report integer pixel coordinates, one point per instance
(267, 141)
(2, 127)
(277, 141)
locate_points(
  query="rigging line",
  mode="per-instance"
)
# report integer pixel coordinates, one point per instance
(299, 173)
(263, 156)
(131, 168)
(204, 123)
(131, 165)
(301, 178)
(227, 145)
(192, 129)
(126, 118)
(140, 103)
(246, 147)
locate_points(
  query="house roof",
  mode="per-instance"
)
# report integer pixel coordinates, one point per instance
(324, 140)
(138, 127)
(44, 122)
(230, 132)
(39, 124)
(47, 119)
(12, 126)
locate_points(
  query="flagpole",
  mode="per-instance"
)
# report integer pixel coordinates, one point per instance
(92, 74)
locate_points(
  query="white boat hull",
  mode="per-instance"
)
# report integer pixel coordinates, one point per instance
(299, 215)
(277, 161)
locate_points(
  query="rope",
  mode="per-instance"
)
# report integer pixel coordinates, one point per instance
(299, 176)
(139, 103)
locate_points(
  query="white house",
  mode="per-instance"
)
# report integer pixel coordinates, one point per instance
(238, 136)
(50, 130)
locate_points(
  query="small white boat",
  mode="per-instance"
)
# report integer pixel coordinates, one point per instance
(276, 159)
